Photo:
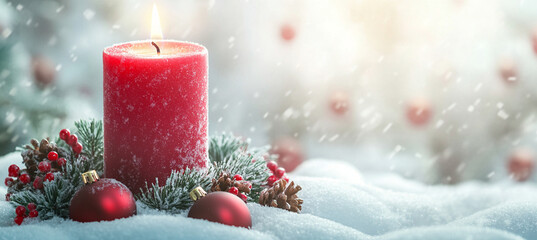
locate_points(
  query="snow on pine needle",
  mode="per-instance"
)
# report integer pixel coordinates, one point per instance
(227, 153)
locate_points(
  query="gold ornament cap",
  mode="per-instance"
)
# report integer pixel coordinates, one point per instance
(90, 177)
(197, 193)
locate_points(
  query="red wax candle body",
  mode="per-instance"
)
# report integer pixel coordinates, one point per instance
(155, 110)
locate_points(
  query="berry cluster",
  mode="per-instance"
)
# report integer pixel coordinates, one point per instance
(22, 213)
(235, 185)
(42, 161)
(235, 190)
(277, 173)
(71, 140)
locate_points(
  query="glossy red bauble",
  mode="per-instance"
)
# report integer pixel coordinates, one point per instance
(419, 112)
(287, 32)
(520, 165)
(18, 220)
(290, 153)
(272, 166)
(103, 200)
(222, 207)
(339, 103)
(49, 176)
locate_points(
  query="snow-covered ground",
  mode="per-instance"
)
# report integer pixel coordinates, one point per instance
(339, 203)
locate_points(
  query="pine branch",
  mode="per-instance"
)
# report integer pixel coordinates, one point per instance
(55, 197)
(90, 135)
(227, 154)
(174, 196)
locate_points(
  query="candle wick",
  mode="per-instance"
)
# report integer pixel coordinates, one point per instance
(156, 46)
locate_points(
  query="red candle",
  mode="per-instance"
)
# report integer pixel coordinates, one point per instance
(155, 110)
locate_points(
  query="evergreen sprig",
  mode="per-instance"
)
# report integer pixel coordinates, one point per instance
(91, 136)
(55, 197)
(227, 153)
(174, 196)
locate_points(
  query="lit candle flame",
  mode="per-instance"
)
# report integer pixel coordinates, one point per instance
(156, 31)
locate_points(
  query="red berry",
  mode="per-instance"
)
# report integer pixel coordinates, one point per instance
(52, 156)
(286, 179)
(243, 197)
(24, 178)
(20, 210)
(33, 214)
(49, 177)
(38, 183)
(8, 181)
(271, 180)
(279, 172)
(13, 170)
(44, 166)
(18, 220)
(77, 148)
(73, 139)
(272, 166)
(61, 161)
(233, 190)
(249, 185)
(8, 197)
(65, 134)
(32, 206)
(237, 177)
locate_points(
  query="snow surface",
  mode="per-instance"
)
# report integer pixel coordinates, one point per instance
(339, 203)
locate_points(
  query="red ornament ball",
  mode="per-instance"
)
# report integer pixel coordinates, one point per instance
(520, 165)
(508, 71)
(52, 156)
(104, 200)
(73, 139)
(339, 103)
(43, 70)
(32, 206)
(287, 32)
(222, 207)
(13, 170)
(44, 166)
(419, 112)
(18, 220)
(25, 178)
(20, 211)
(289, 151)
(65, 134)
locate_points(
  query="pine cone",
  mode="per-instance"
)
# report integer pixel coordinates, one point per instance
(282, 196)
(225, 181)
(32, 156)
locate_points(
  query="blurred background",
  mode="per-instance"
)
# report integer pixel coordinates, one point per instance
(440, 91)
